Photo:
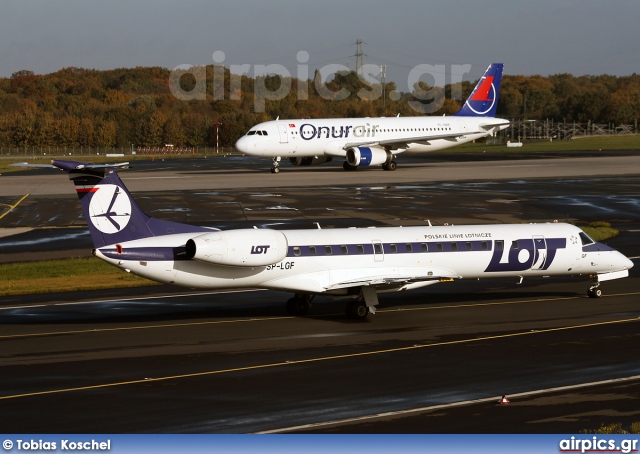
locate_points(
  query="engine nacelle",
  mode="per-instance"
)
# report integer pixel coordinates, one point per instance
(310, 160)
(365, 156)
(242, 247)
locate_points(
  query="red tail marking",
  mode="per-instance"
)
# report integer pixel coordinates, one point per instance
(482, 93)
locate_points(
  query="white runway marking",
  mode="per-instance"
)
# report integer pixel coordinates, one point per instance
(450, 405)
(141, 298)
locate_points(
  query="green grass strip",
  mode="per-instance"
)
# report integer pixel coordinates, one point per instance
(67, 275)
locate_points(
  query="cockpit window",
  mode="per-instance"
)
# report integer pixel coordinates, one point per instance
(264, 133)
(250, 133)
(586, 240)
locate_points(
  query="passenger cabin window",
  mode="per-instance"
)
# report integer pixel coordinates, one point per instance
(344, 249)
(409, 247)
(312, 250)
(439, 247)
(360, 249)
(514, 245)
(485, 246)
(393, 248)
(499, 245)
(425, 247)
(454, 246)
(377, 248)
(586, 240)
(469, 246)
(327, 250)
(296, 251)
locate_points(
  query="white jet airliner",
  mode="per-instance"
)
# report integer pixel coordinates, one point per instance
(353, 263)
(374, 141)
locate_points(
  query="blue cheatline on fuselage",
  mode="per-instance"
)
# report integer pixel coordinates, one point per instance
(353, 263)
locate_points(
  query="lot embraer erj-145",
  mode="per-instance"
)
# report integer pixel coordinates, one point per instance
(352, 263)
(374, 141)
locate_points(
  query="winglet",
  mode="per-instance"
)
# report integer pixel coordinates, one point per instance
(483, 100)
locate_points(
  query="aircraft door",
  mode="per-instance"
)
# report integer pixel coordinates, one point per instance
(539, 252)
(284, 134)
(463, 126)
(378, 251)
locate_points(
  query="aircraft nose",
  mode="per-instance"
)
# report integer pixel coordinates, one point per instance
(242, 145)
(627, 263)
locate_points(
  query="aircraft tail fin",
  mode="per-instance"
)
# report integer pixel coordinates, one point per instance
(483, 100)
(113, 216)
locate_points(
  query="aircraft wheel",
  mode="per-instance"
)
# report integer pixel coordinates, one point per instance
(594, 293)
(275, 169)
(391, 165)
(357, 310)
(298, 307)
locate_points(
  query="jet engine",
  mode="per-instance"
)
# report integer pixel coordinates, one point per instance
(242, 247)
(365, 156)
(310, 160)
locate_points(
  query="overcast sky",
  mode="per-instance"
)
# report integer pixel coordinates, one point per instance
(529, 37)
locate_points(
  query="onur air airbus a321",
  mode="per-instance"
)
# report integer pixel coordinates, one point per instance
(376, 141)
(353, 263)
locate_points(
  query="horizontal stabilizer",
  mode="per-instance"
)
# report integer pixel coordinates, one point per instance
(72, 165)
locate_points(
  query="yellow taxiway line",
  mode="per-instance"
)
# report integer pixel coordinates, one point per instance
(267, 319)
(12, 207)
(315, 360)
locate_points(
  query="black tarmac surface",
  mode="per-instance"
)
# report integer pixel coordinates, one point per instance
(160, 359)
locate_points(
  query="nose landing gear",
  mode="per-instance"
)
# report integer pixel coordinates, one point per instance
(275, 168)
(594, 291)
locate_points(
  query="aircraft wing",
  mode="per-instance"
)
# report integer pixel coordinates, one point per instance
(72, 165)
(395, 281)
(400, 144)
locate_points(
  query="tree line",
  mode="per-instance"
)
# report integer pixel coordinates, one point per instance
(77, 107)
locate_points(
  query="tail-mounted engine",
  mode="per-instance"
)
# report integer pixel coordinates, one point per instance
(242, 247)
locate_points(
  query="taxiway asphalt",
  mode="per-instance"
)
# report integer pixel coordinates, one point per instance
(160, 360)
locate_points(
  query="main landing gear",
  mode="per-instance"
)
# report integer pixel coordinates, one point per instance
(391, 165)
(358, 308)
(299, 305)
(275, 168)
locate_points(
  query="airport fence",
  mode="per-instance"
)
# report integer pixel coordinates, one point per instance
(110, 151)
(548, 129)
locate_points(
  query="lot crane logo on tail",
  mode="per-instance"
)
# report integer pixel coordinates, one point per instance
(110, 208)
